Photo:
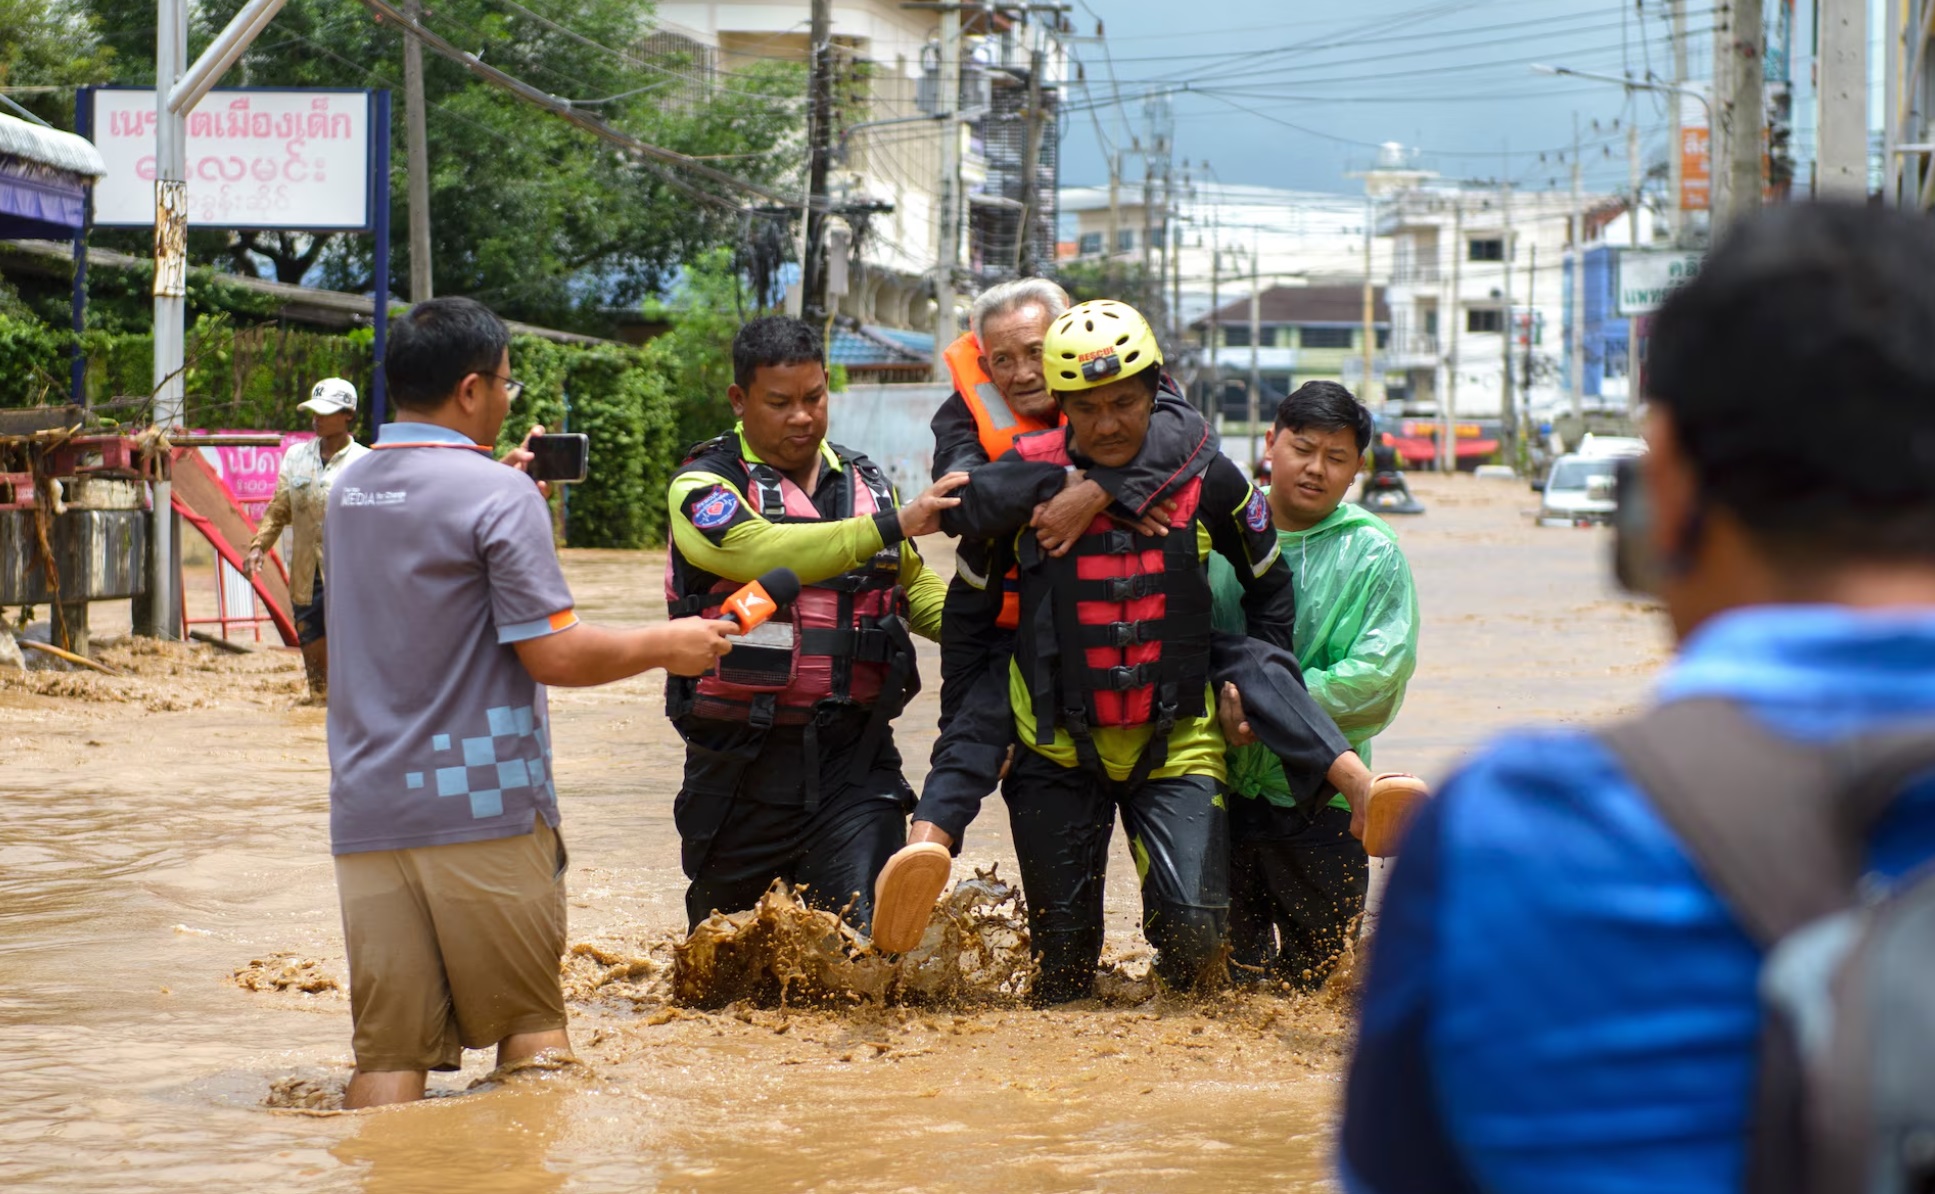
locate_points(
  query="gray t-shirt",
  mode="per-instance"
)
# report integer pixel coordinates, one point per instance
(439, 560)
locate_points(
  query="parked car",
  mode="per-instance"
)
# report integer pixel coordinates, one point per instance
(1578, 491)
(1600, 446)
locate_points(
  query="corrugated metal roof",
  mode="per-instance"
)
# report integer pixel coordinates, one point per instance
(50, 147)
(871, 345)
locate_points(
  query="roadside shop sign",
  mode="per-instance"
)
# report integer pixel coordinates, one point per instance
(1644, 277)
(257, 158)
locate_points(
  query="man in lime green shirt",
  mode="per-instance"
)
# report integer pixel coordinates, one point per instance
(1298, 875)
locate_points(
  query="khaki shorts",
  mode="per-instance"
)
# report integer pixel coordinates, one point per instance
(452, 947)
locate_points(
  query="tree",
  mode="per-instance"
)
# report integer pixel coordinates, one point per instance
(541, 220)
(55, 44)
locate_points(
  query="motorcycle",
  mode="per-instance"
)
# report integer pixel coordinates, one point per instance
(1385, 492)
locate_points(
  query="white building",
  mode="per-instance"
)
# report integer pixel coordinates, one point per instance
(892, 148)
(1467, 263)
(1298, 238)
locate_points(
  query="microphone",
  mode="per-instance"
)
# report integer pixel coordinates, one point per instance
(761, 599)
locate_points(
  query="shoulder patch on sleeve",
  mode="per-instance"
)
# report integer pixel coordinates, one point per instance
(714, 508)
(1257, 514)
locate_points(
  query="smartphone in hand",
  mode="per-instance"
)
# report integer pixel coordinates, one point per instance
(559, 458)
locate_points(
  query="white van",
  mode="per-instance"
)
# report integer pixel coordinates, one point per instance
(1578, 491)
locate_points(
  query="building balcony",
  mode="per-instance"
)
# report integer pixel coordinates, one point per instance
(1414, 350)
(1416, 275)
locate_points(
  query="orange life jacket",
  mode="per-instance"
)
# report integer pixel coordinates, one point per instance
(997, 425)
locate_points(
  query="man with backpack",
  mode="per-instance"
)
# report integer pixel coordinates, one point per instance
(1639, 959)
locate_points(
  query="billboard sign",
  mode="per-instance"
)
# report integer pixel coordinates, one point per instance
(257, 158)
(1644, 277)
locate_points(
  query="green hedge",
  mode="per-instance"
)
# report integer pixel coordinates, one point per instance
(254, 377)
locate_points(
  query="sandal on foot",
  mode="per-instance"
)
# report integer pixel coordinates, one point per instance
(904, 895)
(1395, 799)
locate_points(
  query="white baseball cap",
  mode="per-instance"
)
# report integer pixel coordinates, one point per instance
(330, 395)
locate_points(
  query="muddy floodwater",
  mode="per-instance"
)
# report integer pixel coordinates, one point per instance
(172, 1003)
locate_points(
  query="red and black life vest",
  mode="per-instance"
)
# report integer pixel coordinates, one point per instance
(1137, 609)
(844, 642)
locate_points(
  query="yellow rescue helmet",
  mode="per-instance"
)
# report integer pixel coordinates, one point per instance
(1098, 342)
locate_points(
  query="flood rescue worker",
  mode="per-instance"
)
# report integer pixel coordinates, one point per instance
(1109, 685)
(1000, 393)
(1299, 874)
(790, 769)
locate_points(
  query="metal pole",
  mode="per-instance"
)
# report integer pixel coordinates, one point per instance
(170, 296)
(819, 118)
(1370, 301)
(1448, 401)
(1531, 326)
(417, 152)
(1256, 363)
(1578, 276)
(949, 230)
(380, 219)
(1841, 161)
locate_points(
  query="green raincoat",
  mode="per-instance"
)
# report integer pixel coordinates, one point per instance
(1356, 633)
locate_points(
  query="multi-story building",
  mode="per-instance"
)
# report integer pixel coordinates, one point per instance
(888, 157)
(1469, 263)
(1303, 333)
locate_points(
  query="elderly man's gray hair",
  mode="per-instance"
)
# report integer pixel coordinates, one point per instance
(1011, 296)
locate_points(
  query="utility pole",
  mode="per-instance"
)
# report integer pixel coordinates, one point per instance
(1578, 321)
(1841, 162)
(1632, 179)
(1508, 412)
(1448, 402)
(1027, 262)
(1174, 259)
(1370, 299)
(1256, 362)
(949, 224)
(1115, 215)
(813, 307)
(1531, 326)
(1213, 388)
(1676, 180)
(417, 156)
(1738, 43)
(170, 299)
(1151, 283)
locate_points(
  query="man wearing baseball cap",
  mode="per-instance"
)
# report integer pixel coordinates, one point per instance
(301, 494)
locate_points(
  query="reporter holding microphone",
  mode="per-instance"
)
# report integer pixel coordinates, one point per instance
(452, 614)
(790, 766)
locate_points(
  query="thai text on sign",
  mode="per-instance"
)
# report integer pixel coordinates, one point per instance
(256, 159)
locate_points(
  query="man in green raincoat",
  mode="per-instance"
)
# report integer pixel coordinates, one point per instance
(1298, 873)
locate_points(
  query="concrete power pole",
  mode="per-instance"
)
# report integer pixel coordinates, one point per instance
(1027, 260)
(1448, 401)
(417, 153)
(949, 225)
(1841, 162)
(1578, 338)
(813, 305)
(1256, 362)
(1676, 180)
(1370, 300)
(1213, 344)
(1507, 409)
(170, 298)
(1632, 180)
(1115, 214)
(1739, 109)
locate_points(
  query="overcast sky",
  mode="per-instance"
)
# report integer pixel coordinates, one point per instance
(1295, 93)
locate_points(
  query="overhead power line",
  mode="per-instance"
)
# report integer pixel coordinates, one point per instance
(584, 120)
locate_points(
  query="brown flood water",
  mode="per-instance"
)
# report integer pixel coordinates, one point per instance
(164, 832)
